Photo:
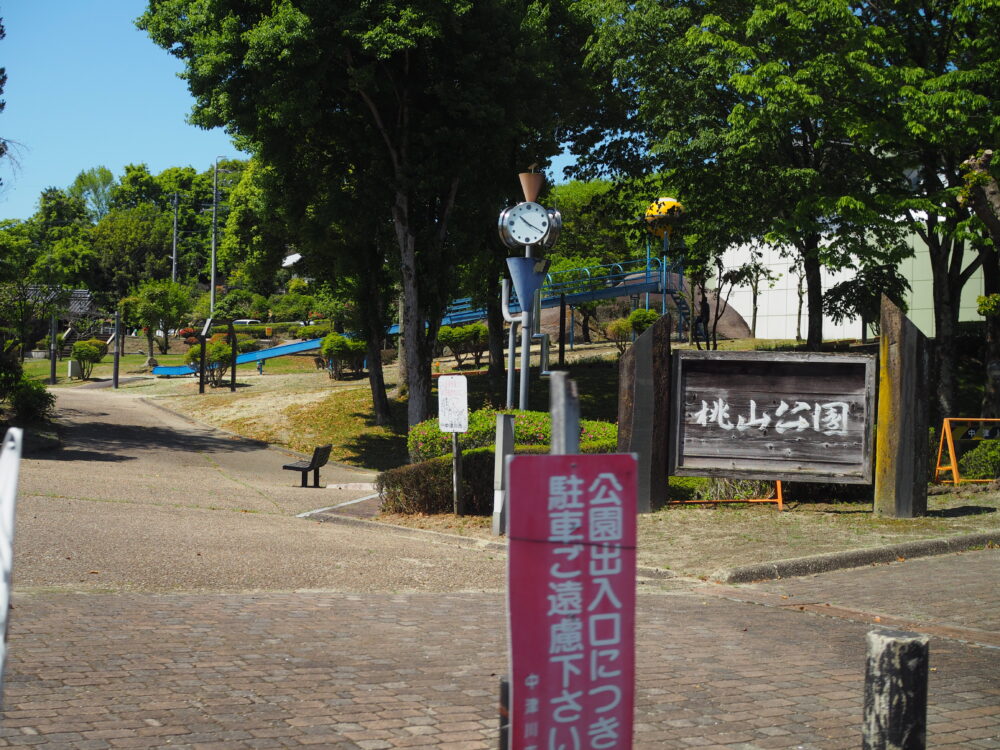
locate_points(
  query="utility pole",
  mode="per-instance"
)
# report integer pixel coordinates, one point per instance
(215, 213)
(173, 256)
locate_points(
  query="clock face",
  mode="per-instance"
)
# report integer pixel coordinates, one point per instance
(525, 224)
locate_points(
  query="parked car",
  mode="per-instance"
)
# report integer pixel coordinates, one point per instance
(246, 322)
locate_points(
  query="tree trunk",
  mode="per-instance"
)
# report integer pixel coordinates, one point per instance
(991, 286)
(418, 354)
(376, 379)
(814, 293)
(945, 322)
(149, 342)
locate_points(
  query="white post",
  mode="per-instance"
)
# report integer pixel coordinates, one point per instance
(504, 447)
(10, 462)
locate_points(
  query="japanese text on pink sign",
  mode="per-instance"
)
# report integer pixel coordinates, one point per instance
(571, 589)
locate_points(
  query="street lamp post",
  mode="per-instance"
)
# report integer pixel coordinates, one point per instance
(215, 232)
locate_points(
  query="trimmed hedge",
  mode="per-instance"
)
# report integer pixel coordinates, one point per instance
(426, 487)
(426, 440)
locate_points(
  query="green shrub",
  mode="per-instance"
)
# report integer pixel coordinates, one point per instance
(87, 354)
(462, 341)
(426, 487)
(641, 319)
(218, 360)
(530, 428)
(620, 332)
(30, 401)
(101, 345)
(341, 351)
(982, 462)
(43, 342)
(10, 370)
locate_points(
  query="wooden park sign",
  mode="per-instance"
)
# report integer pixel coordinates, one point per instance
(769, 415)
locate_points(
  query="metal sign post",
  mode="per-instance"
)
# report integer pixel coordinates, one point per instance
(571, 600)
(10, 461)
(453, 417)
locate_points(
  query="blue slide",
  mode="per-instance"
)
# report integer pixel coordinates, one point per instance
(242, 359)
(630, 277)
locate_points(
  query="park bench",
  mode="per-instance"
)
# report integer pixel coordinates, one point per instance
(319, 458)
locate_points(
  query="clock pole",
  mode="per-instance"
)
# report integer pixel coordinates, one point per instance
(525, 225)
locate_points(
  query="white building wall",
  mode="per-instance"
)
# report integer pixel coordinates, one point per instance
(777, 306)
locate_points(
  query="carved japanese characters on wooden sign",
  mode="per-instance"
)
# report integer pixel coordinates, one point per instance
(805, 417)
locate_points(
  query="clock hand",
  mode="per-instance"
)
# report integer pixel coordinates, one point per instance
(529, 223)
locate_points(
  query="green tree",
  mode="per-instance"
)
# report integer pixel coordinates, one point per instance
(411, 80)
(933, 101)
(744, 106)
(157, 305)
(136, 188)
(94, 187)
(133, 245)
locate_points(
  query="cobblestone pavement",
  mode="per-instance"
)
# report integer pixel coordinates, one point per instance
(420, 670)
(215, 619)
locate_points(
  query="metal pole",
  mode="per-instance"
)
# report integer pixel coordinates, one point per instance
(201, 368)
(895, 705)
(456, 475)
(511, 363)
(215, 204)
(235, 349)
(564, 406)
(522, 401)
(118, 348)
(53, 348)
(173, 254)
(562, 330)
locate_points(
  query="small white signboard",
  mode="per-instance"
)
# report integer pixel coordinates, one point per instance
(10, 462)
(453, 403)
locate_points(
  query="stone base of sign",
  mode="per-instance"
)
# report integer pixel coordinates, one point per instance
(903, 418)
(644, 410)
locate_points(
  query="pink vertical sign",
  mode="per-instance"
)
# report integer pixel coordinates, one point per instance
(571, 601)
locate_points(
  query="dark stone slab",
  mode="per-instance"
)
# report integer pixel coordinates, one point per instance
(903, 417)
(644, 410)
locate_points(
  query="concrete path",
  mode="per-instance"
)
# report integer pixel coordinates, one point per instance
(168, 597)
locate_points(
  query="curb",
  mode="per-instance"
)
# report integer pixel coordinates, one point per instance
(802, 566)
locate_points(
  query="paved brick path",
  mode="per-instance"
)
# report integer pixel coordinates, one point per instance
(357, 638)
(420, 670)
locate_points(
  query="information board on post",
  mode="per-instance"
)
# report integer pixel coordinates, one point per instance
(571, 600)
(453, 403)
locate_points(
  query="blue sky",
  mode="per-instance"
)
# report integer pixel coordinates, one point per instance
(86, 88)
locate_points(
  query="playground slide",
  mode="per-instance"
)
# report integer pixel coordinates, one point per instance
(242, 359)
(611, 280)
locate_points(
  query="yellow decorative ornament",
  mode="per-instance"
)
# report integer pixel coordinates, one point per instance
(661, 215)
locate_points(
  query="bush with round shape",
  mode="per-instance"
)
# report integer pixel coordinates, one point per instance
(218, 360)
(30, 401)
(341, 351)
(620, 332)
(642, 319)
(87, 354)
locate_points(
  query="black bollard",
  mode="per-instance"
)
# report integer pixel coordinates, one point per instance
(504, 713)
(895, 710)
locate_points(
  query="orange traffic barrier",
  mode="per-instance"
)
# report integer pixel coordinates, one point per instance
(953, 434)
(777, 498)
